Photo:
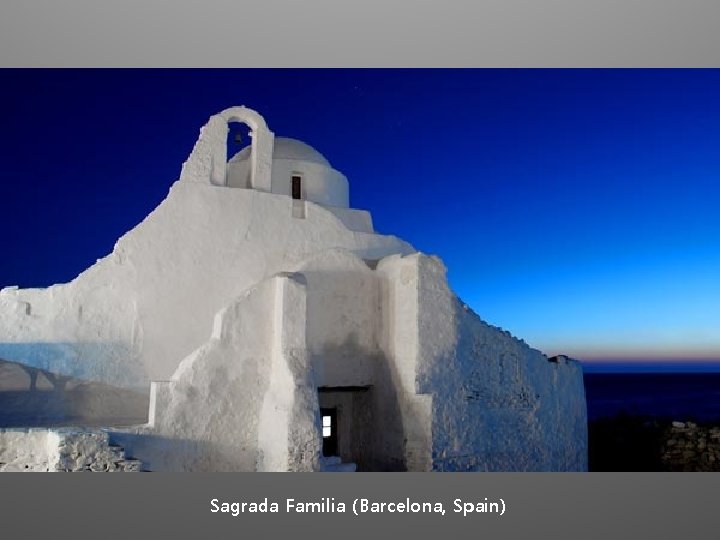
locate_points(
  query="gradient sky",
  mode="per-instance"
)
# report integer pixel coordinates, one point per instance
(579, 209)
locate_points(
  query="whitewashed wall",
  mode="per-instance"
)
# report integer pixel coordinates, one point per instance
(343, 318)
(498, 405)
(409, 427)
(246, 399)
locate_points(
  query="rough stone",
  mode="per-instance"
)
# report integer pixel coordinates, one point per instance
(60, 450)
(698, 450)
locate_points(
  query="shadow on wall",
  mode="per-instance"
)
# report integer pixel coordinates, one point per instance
(104, 361)
(32, 397)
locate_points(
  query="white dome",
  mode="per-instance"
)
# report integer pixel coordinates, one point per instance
(287, 148)
(296, 170)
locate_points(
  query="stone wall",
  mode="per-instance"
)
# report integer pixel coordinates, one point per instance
(61, 450)
(689, 447)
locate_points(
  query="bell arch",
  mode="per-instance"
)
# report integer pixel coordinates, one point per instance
(261, 148)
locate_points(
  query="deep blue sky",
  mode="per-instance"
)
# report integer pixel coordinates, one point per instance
(579, 209)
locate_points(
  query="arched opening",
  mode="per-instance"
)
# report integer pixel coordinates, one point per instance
(239, 137)
(209, 158)
(259, 137)
(239, 148)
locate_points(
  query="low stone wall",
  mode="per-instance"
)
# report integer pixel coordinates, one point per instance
(61, 450)
(689, 447)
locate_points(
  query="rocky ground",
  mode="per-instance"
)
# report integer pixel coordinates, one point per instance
(634, 444)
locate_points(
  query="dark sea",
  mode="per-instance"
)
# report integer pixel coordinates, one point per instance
(674, 396)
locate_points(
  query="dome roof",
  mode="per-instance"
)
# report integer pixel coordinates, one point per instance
(287, 148)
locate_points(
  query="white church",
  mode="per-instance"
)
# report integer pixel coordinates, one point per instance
(270, 328)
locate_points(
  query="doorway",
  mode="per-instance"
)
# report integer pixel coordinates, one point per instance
(348, 429)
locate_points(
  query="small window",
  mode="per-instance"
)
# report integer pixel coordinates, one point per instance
(296, 187)
(329, 431)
